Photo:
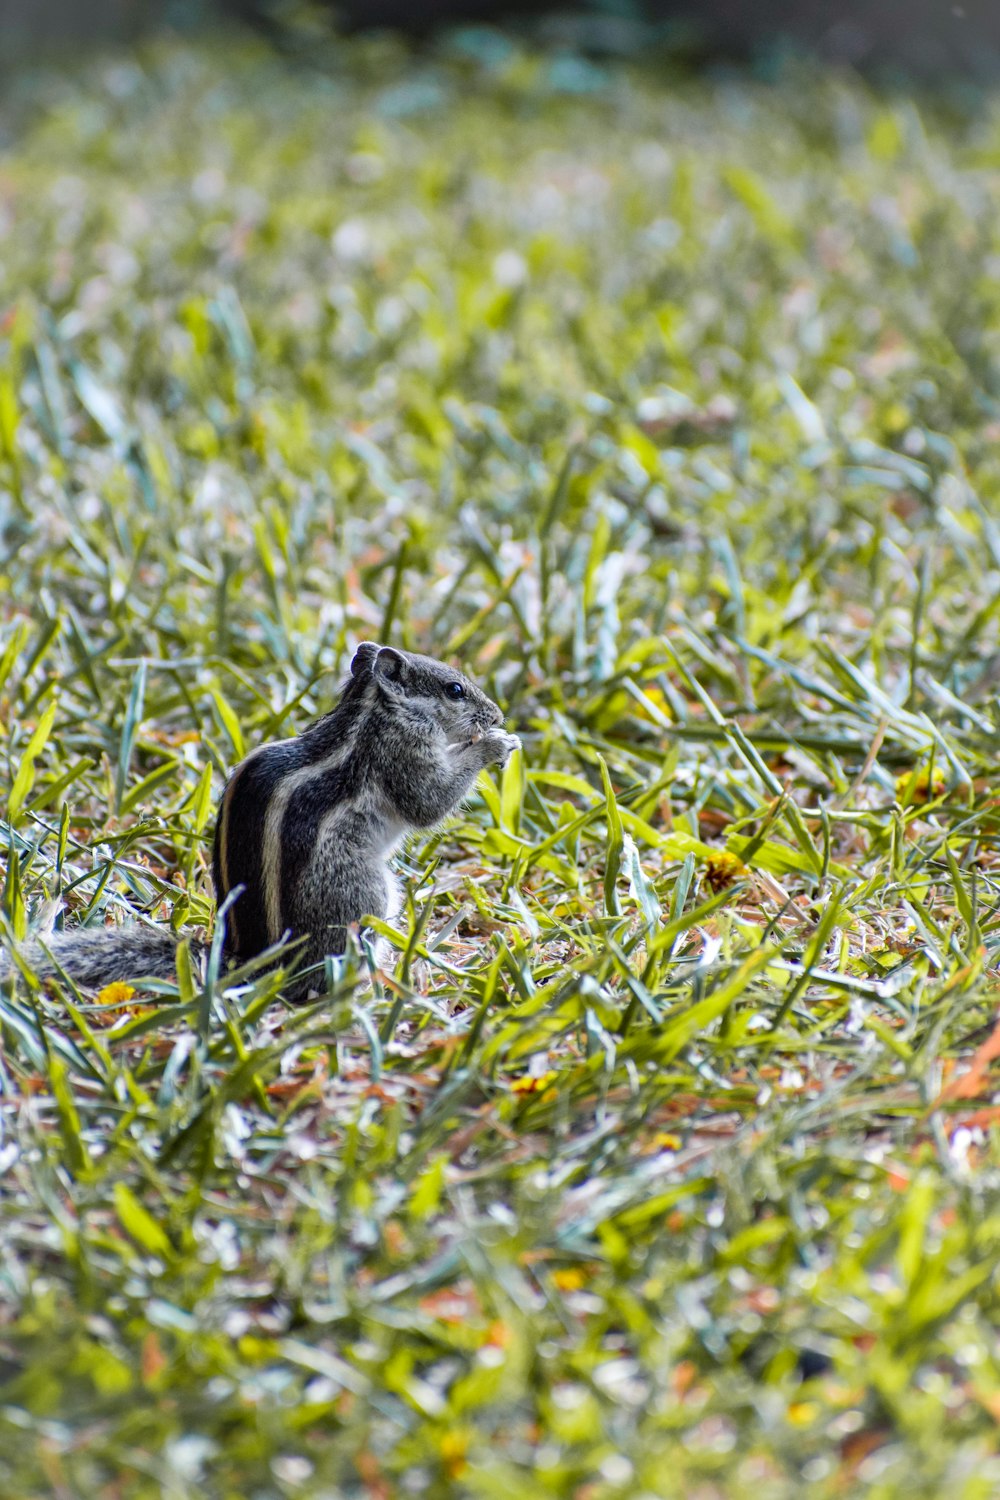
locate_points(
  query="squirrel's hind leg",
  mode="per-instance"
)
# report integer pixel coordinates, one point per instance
(363, 889)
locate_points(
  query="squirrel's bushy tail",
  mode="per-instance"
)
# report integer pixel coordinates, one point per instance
(94, 958)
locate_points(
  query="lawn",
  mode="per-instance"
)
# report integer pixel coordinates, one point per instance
(664, 1162)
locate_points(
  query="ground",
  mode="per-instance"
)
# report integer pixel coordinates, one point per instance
(663, 1162)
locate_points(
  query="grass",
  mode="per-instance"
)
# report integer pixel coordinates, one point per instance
(665, 1164)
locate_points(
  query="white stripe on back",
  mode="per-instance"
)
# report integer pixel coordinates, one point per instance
(271, 853)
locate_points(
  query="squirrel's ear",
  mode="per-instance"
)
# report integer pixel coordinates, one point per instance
(364, 659)
(389, 664)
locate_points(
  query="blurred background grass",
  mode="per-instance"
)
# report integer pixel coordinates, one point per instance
(922, 36)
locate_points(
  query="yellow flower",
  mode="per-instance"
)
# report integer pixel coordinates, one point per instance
(722, 869)
(454, 1447)
(536, 1084)
(658, 699)
(569, 1278)
(118, 993)
(914, 787)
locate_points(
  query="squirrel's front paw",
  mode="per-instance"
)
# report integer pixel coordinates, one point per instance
(500, 746)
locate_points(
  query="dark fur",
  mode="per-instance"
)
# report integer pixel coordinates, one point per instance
(395, 754)
(306, 825)
(95, 956)
(251, 788)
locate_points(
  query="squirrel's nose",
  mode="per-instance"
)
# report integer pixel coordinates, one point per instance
(497, 715)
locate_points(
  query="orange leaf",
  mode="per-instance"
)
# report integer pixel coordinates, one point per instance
(990, 1115)
(450, 1305)
(990, 1400)
(969, 1083)
(153, 1358)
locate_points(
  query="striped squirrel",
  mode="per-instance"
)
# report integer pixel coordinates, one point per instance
(306, 825)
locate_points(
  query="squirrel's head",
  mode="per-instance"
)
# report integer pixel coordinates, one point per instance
(428, 690)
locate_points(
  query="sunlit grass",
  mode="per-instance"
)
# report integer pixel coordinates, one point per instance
(662, 1163)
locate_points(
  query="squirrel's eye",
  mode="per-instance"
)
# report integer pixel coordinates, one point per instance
(455, 690)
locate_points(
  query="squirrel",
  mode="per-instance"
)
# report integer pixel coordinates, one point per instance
(306, 826)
